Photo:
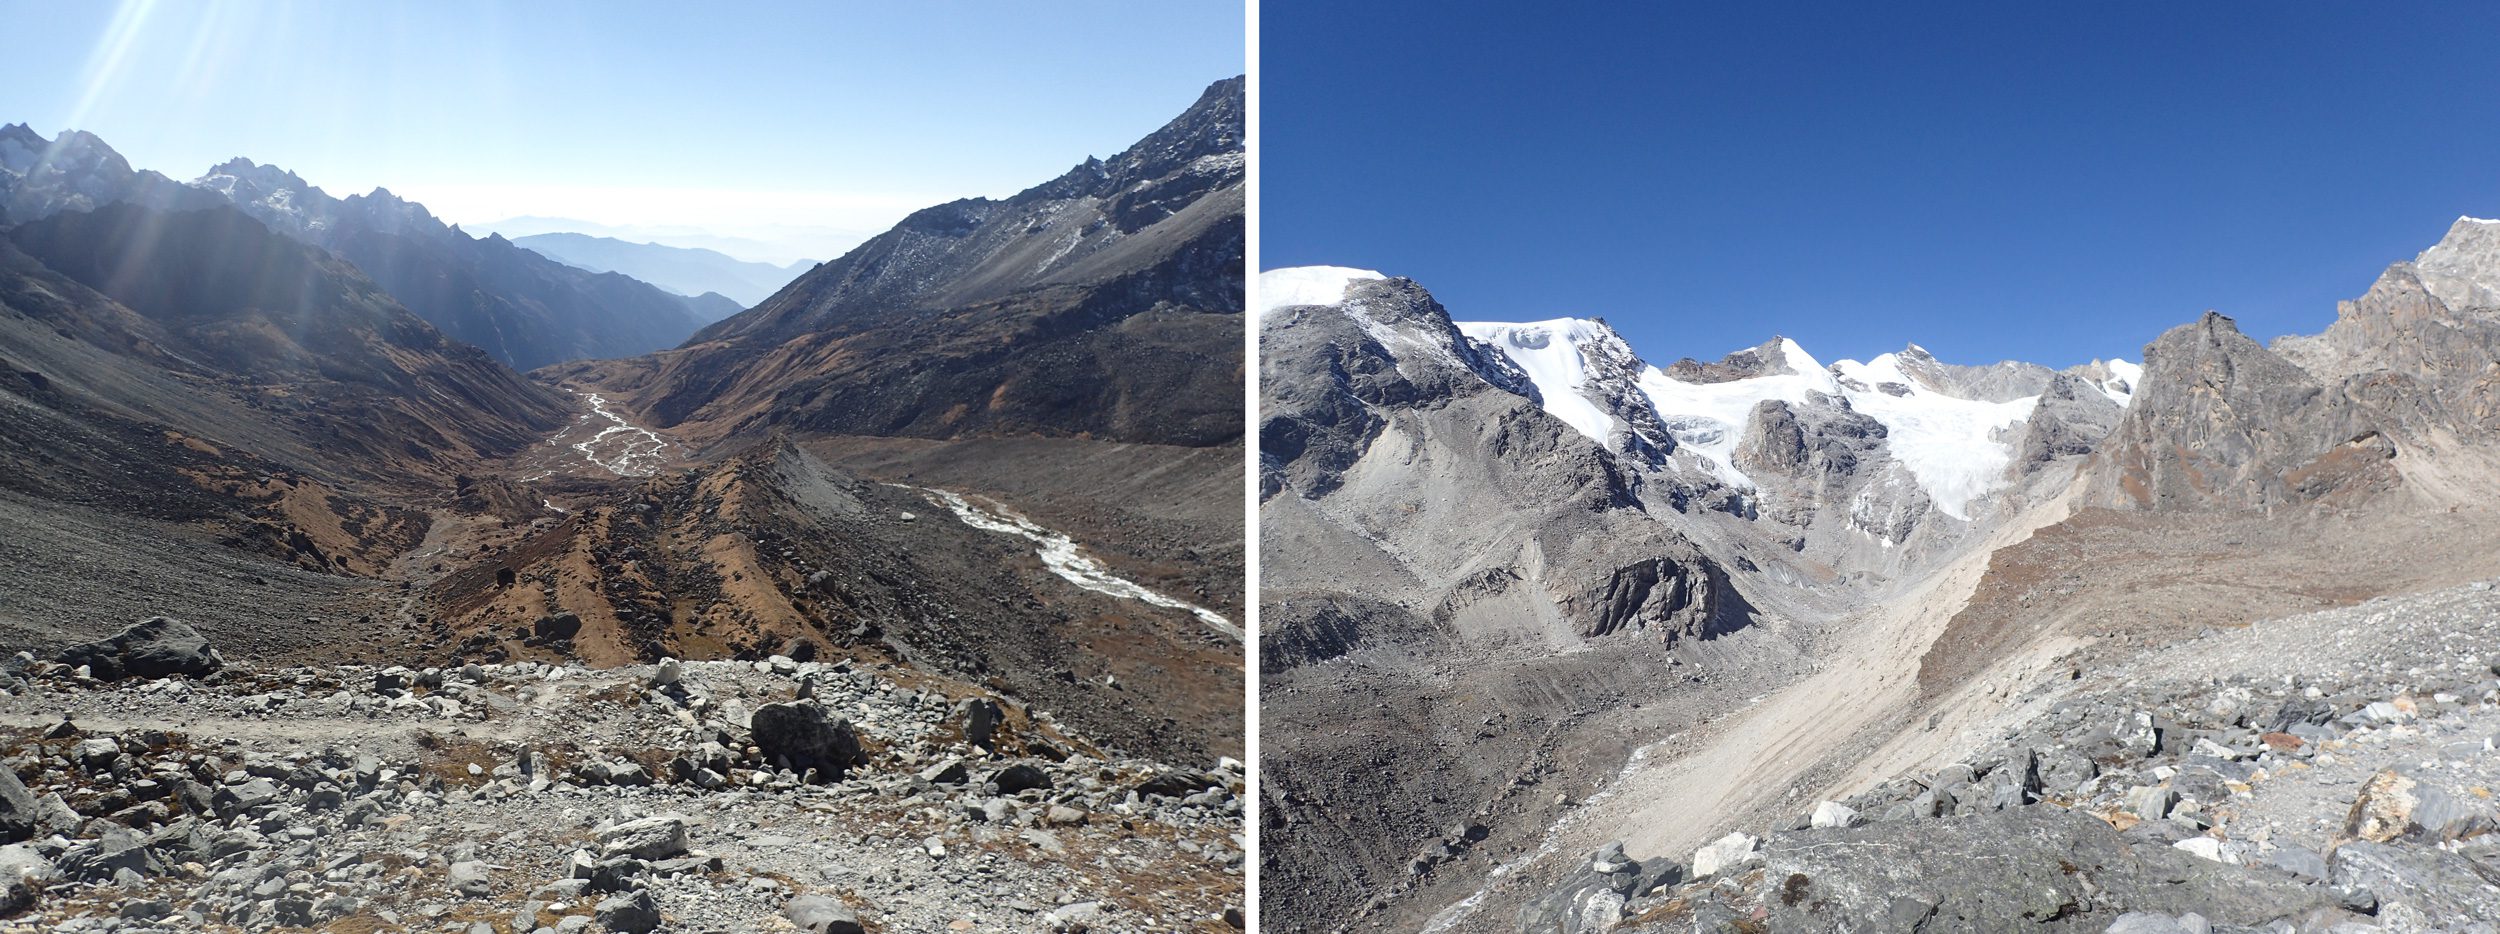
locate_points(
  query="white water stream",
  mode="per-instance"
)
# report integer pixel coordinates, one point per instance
(620, 448)
(1060, 554)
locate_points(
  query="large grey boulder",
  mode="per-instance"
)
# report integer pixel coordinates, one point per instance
(23, 874)
(633, 913)
(980, 717)
(100, 860)
(651, 838)
(805, 736)
(19, 814)
(817, 914)
(1591, 900)
(158, 647)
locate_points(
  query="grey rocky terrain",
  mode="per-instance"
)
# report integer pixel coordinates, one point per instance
(2325, 772)
(1926, 589)
(192, 794)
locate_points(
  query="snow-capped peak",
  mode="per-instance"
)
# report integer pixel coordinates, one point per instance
(1799, 361)
(1307, 285)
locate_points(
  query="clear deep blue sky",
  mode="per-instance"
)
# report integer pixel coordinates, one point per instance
(2039, 181)
(711, 114)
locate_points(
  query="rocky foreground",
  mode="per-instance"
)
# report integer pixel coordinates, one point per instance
(2333, 772)
(153, 787)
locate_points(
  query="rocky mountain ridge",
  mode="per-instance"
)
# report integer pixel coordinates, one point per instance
(1102, 304)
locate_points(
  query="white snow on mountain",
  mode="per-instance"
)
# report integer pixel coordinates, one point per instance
(1307, 285)
(2120, 386)
(1948, 443)
(1957, 450)
(1709, 418)
(1550, 353)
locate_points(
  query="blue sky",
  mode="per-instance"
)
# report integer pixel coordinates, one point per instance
(811, 120)
(2049, 182)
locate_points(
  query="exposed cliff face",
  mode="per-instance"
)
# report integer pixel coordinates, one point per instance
(2423, 344)
(2222, 422)
(2071, 419)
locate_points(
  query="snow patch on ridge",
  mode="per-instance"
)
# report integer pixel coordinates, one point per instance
(1710, 418)
(1307, 285)
(2120, 387)
(1549, 352)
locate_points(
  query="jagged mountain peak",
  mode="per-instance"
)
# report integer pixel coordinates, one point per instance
(1778, 356)
(266, 176)
(2463, 269)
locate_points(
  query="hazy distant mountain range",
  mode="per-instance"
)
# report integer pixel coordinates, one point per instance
(525, 309)
(685, 271)
(772, 243)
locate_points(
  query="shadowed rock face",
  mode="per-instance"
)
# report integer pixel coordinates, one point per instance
(219, 293)
(524, 309)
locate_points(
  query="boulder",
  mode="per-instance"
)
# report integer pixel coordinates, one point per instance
(2151, 802)
(1020, 777)
(980, 717)
(817, 914)
(105, 858)
(158, 647)
(805, 736)
(1728, 852)
(1592, 900)
(470, 878)
(631, 913)
(651, 838)
(2433, 882)
(20, 813)
(23, 875)
(1177, 783)
(559, 627)
(947, 771)
(1831, 814)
